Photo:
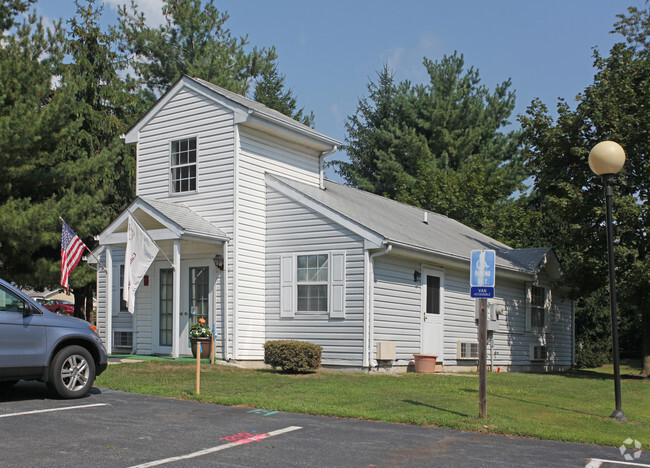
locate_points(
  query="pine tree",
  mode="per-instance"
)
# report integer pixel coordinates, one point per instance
(270, 91)
(438, 146)
(193, 41)
(30, 59)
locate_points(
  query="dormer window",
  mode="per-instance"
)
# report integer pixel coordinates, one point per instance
(183, 165)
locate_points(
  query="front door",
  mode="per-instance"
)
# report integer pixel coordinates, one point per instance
(433, 312)
(197, 296)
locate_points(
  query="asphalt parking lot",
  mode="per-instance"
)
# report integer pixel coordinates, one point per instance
(118, 429)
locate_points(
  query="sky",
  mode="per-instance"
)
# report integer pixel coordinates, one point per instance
(330, 50)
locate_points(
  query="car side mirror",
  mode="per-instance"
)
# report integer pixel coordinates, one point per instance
(28, 309)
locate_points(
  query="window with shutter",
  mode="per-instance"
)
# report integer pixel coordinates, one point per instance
(312, 283)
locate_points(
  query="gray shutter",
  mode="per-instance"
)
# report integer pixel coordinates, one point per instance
(337, 285)
(287, 285)
(529, 299)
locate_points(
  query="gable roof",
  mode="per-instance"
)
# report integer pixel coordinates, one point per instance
(404, 225)
(177, 221)
(246, 111)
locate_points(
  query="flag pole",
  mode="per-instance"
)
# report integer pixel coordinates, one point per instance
(91, 252)
(147, 234)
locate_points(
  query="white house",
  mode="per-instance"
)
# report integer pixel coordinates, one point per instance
(254, 240)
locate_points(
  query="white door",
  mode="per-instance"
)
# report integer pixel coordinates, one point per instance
(432, 312)
(197, 298)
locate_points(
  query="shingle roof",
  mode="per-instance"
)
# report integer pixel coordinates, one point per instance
(185, 217)
(262, 109)
(404, 224)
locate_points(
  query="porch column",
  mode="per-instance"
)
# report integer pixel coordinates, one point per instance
(109, 300)
(176, 313)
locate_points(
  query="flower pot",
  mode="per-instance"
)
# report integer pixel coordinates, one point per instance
(425, 363)
(206, 344)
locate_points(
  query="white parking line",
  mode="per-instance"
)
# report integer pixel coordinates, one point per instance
(597, 462)
(51, 410)
(218, 447)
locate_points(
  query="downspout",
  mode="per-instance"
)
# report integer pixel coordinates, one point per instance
(322, 156)
(369, 315)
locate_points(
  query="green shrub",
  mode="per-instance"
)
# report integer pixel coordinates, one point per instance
(292, 356)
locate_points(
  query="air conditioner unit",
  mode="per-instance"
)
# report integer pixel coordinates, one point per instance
(122, 338)
(466, 350)
(537, 353)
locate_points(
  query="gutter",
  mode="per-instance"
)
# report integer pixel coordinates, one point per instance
(457, 261)
(321, 157)
(369, 314)
(297, 127)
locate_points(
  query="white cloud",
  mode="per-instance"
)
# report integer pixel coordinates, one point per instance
(394, 58)
(152, 9)
(406, 61)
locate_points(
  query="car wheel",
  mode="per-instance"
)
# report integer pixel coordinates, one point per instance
(58, 311)
(72, 372)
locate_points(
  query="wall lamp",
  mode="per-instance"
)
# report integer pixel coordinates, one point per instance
(218, 261)
(417, 276)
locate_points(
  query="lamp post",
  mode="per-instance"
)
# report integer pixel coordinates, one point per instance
(605, 160)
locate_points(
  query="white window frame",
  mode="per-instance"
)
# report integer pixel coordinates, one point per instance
(172, 166)
(120, 299)
(470, 344)
(335, 284)
(529, 308)
(542, 349)
(308, 283)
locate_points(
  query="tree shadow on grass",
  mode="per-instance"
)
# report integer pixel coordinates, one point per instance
(594, 375)
(436, 408)
(545, 405)
(490, 394)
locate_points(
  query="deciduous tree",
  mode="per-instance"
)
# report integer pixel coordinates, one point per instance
(569, 197)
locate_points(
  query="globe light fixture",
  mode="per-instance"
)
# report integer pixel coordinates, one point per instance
(605, 160)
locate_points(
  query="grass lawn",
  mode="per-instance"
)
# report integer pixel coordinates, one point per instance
(572, 406)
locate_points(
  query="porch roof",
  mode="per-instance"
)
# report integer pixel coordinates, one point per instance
(163, 221)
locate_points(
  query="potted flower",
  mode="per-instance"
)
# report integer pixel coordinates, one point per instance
(200, 335)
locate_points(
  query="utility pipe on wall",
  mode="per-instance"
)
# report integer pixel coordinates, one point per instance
(370, 314)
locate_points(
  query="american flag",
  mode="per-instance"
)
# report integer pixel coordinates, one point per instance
(71, 250)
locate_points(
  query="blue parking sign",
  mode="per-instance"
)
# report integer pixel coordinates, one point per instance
(482, 273)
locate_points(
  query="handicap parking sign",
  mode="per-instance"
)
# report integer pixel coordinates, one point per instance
(482, 273)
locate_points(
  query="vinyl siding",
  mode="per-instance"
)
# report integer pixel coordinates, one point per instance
(397, 306)
(397, 317)
(120, 320)
(189, 114)
(293, 228)
(511, 345)
(259, 154)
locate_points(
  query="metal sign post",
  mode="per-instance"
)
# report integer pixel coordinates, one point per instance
(482, 358)
(482, 274)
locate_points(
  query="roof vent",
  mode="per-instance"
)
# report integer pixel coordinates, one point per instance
(425, 220)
